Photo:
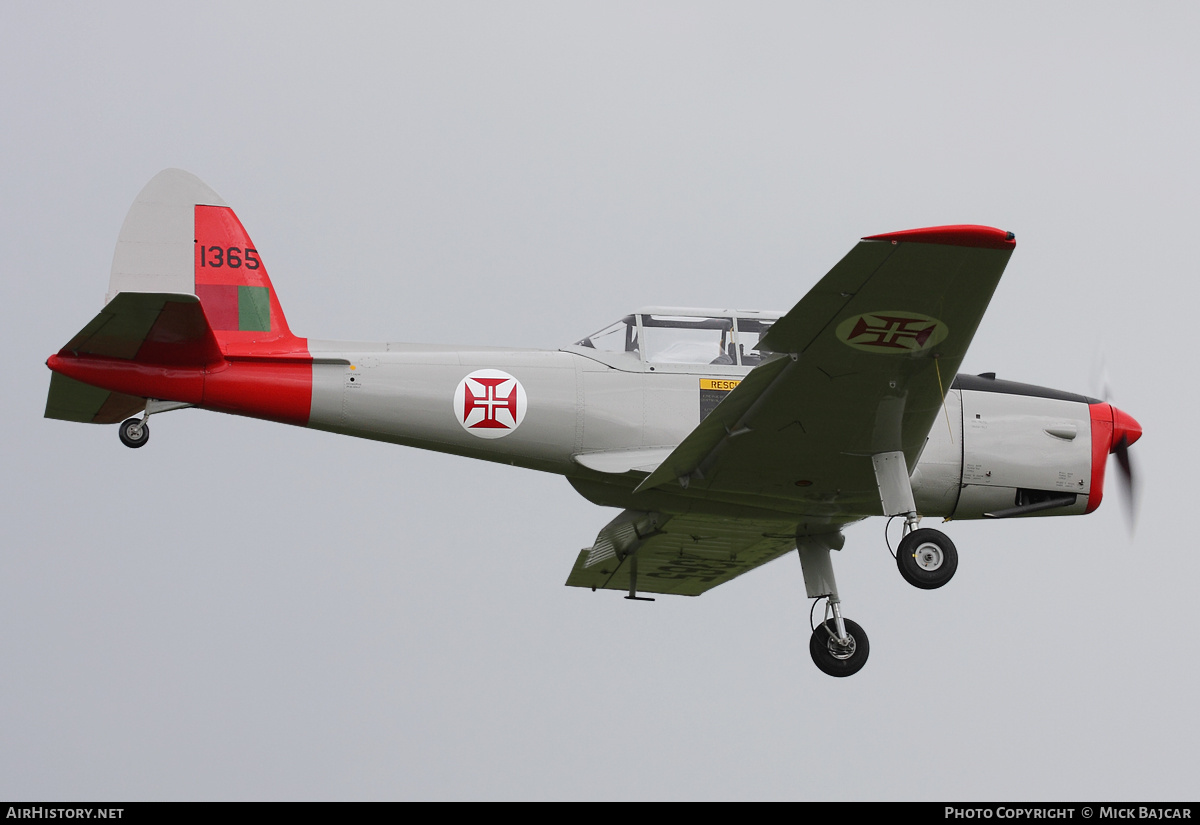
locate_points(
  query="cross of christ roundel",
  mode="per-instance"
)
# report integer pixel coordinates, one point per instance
(490, 403)
(892, 333)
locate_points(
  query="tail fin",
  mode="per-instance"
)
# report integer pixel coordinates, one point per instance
(191, 318)
(180, 237)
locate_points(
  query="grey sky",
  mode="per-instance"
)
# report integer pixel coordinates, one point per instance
(250, 611)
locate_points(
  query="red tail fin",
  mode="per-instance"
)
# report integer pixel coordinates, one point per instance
(233, 286)
(179, 236)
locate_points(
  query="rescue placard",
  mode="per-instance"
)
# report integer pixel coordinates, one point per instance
(712, 390)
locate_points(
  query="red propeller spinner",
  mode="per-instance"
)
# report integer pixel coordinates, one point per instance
(1113, 431)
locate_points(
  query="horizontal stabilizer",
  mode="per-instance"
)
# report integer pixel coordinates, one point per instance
(149, 327)
(71, 400)
(156, 330)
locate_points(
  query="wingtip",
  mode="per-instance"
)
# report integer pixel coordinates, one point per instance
(984, 237)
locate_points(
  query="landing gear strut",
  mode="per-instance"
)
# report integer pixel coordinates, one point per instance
(927, 558)
(838, 646)
(134, 432)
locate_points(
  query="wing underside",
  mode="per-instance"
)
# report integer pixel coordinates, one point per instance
(679, 555)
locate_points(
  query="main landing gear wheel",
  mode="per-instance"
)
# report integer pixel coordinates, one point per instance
(835, 658)
(927, 558)
(134, 432)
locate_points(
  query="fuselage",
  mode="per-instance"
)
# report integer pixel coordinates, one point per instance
(607, 411)
(593, 416)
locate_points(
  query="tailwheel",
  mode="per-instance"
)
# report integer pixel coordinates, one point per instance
(839, 656)
(927, 558)
(134, 432)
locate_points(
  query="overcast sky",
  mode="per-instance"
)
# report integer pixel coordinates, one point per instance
(244, 610)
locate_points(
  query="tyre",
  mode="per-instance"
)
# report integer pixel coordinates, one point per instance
(927, 559)
(833, 658)
(134, 432)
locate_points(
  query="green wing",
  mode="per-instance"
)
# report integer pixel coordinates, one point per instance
(861, 366)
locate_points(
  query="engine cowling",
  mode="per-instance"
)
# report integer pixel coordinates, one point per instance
(1014, 449)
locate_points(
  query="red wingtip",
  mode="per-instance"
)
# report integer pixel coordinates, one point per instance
(985, 237)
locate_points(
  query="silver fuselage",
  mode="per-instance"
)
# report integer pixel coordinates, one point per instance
(584, 405)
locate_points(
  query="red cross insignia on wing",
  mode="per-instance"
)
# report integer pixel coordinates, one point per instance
(891, 332)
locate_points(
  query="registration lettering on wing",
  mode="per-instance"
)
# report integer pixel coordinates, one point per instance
(892, 332)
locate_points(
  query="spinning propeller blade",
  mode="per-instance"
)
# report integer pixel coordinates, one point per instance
(1126, 430)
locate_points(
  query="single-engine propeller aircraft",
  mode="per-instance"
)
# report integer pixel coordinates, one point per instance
(727, 438)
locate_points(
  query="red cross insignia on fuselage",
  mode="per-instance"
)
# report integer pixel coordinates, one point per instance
(489, 403)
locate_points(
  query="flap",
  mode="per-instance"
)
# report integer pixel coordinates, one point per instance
(679, 555)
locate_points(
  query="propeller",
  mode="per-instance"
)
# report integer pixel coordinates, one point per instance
(1125, 431)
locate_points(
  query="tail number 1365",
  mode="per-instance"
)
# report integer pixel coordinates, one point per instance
(230, 256)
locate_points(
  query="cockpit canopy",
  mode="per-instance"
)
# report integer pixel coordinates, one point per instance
(667, 335)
